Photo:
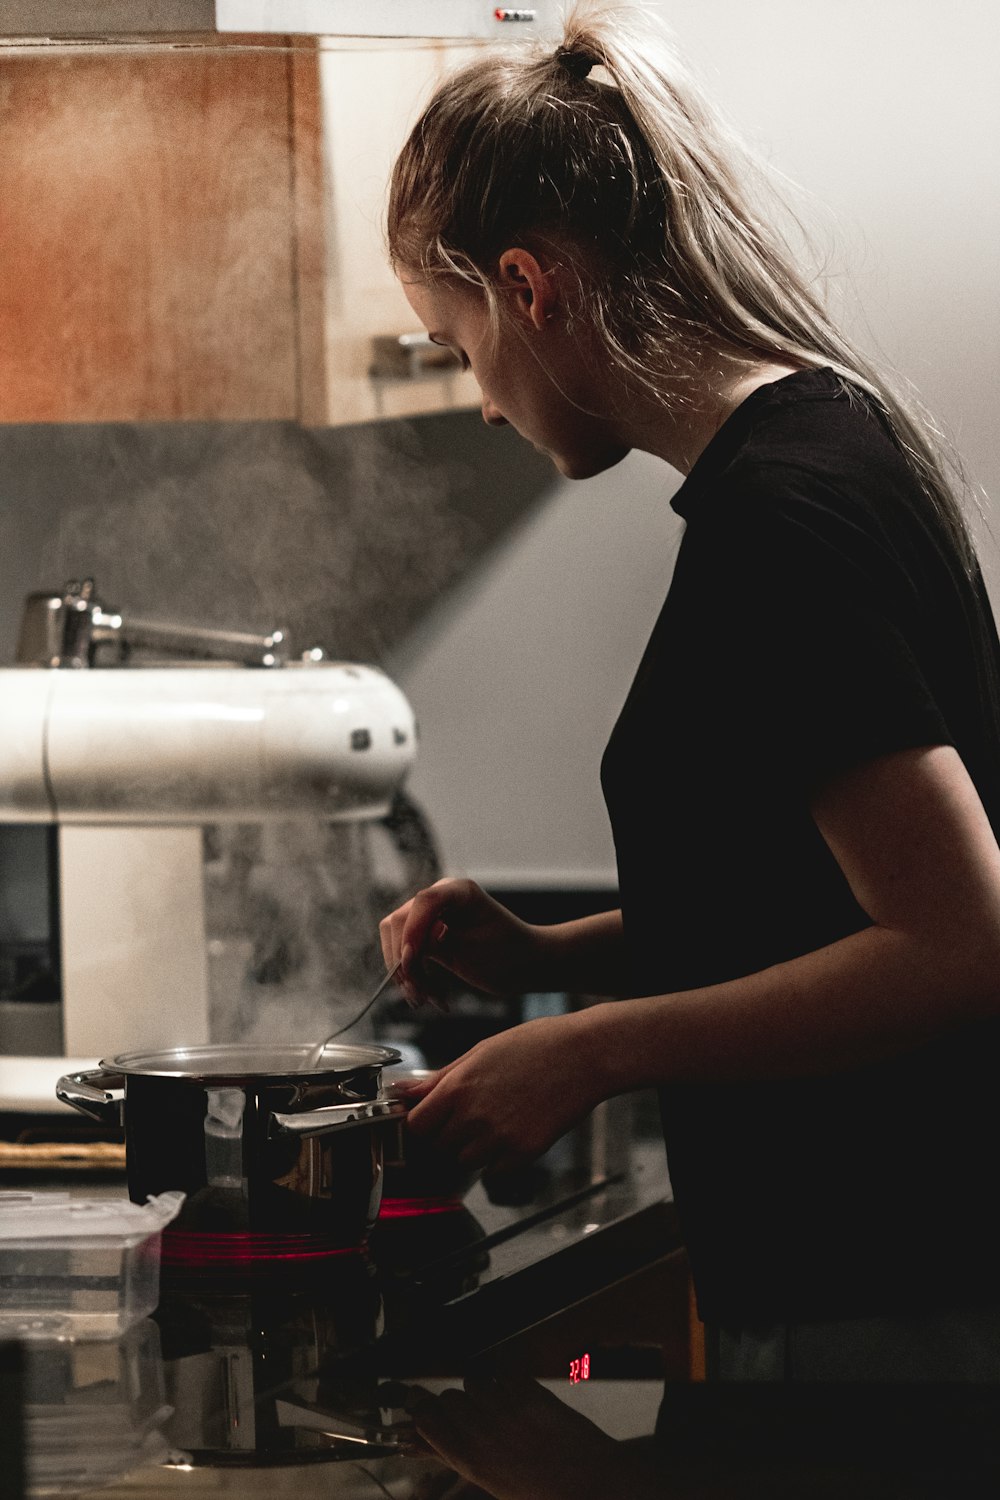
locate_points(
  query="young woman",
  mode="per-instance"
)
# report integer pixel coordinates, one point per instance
(805, 778)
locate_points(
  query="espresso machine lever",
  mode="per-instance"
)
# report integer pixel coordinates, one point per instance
(76, 629)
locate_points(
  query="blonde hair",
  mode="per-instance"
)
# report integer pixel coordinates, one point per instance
(606, 149)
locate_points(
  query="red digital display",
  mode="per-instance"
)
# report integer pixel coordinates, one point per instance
(579, 1369)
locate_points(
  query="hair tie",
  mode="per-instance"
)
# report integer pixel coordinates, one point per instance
(577, 64)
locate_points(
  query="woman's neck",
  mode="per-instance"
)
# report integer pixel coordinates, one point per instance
(678, 427)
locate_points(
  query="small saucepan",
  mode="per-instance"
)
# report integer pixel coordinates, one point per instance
(261, 1146)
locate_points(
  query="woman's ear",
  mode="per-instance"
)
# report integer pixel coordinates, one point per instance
(531, 287)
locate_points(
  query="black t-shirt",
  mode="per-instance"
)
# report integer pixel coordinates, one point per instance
(819, 616)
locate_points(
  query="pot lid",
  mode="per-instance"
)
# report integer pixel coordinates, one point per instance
(223, 1062)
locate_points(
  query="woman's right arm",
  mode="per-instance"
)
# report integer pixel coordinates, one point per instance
(455, 925)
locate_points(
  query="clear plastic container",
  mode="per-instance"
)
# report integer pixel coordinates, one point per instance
(79, 1268)
(94, 1410)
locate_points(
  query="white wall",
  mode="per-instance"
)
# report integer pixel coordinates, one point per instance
(518, 680)
(888, 113)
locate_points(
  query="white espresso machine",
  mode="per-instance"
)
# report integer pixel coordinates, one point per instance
(123, 743)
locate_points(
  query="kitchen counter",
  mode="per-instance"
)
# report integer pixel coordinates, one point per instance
(305, 1383)
(236, 1380)
(503, 1268)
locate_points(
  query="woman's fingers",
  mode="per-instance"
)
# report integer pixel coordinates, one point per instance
(424, 925)
(497, 1106)
(469, 1134)
(404, 939)
(412, 935)
(416, 1088)
(390, 930)
(430, 1116)
(454, 928)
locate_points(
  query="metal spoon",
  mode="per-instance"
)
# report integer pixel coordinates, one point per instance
(314, 1058)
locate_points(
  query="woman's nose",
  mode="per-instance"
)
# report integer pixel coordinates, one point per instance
(492, 415)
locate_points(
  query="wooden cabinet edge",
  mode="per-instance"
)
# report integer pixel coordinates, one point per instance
(309, 260)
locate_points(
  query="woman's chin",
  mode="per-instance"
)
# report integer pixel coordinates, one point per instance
(586, 465)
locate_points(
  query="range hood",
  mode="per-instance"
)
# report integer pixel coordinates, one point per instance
(157, 19)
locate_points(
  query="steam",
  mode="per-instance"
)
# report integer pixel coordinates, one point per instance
(342, 537)
(292, 919)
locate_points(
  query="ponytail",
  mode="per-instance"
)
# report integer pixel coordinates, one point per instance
(606, 150)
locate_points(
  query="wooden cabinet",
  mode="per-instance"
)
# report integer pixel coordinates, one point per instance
(192, 232)
(156, 239)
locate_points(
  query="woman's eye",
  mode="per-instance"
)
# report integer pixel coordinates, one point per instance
(459, 354)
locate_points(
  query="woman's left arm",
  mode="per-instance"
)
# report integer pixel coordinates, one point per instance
(910, 834)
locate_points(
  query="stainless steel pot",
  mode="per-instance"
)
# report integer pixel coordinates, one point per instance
(259, 1146)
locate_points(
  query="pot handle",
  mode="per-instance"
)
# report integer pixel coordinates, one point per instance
(98, 1093)
(337, 1117)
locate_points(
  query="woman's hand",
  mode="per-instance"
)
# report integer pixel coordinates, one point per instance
(518, 1441)
(462, 930)
(506, 1100)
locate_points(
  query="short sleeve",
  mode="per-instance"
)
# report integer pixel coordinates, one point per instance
(821, 629)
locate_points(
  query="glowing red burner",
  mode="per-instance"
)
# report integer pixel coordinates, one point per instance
(191, 1250)
(418, 1208)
